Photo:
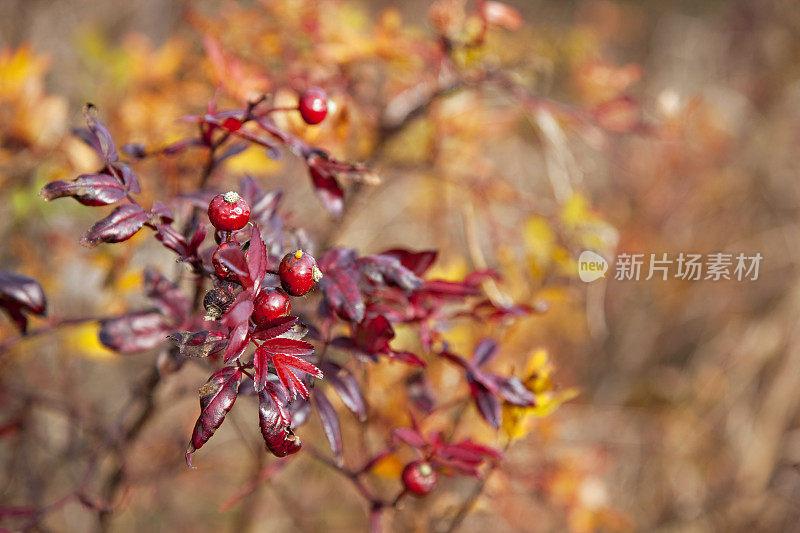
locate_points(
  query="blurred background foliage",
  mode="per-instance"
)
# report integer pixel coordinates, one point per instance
(643, 127)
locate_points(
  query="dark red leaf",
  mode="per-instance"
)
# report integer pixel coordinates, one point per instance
(163, 212)
(513, 391)
(217, 397)
(288, 378)
(281, 345)
(385, 269)
(484, 352)
(234, 260)
(410, 436)
(239, 310)
(134, 150)
(487, 403)
(373, 335)
(330, 423)
(104, 145)
(129, 178)
(198, 343)
(134, 332)
(260, 369)
(88, 189)
(237, 343)
(167, 296)
(172, 239)
(406, 357)
(419, 391)
(22, 291)
(340, 288)
(346, 385)
(416, 262)
(328, 190)
(275, 428)
(256, 259)
(275, 328)
(119, 226)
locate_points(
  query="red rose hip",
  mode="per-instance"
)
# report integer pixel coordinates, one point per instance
(419, 478)
(313, 105)
(298, 272)
(269, 305)
(228, 212)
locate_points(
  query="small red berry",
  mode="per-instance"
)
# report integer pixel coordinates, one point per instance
(228, 212)
(313, 105)
(221, 270)
(298, 272)
(269, 305)
(419, 478)
(231, 124)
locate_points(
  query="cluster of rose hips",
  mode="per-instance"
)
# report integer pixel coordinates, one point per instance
(298, 270)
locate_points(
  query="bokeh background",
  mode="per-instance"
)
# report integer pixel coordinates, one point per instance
(647, 127)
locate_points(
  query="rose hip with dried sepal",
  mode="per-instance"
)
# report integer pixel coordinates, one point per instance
(229, 211)
(269, 305)
(313, 105)
(419, 478)
(298, 272)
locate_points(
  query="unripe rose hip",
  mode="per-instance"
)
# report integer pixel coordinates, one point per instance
(269, 305)
(313, 105)
(298, 272)
(419, 478)
(229, 212)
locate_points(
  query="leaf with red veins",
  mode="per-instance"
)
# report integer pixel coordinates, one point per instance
(410, 436)
(120, 225)
(330, 423)
(282, 345)
(217, 397)
(347, 387)
(340, 288)
(385, 269)
(275, 328)
(238, 340)
(167, 296)
(487, 403)
(284, 363)
(256, 259)
(416, 262)
(484, 352)
(274, 421)
(134, 332)
(198, 343)
(88, 189)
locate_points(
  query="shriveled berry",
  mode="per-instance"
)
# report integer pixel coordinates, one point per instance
(313, 105)
(269, 305)
(419, 478)
(216, 302)
(298, 272)
(220, 269)
(228, 212)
